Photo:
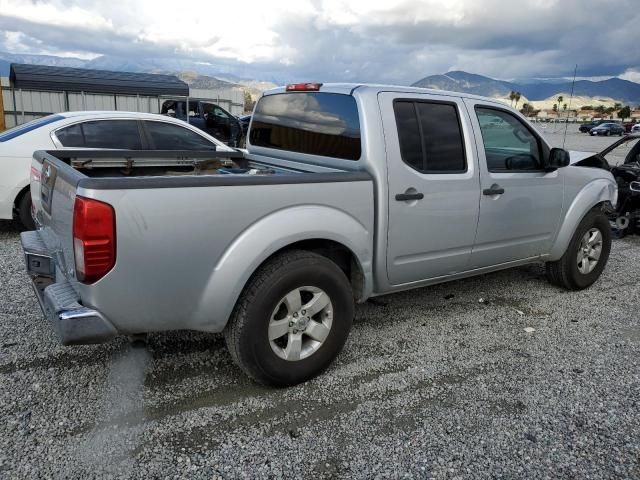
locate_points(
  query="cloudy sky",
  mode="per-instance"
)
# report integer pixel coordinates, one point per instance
(391, 41)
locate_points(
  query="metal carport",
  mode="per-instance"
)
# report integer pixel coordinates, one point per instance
(39, 77)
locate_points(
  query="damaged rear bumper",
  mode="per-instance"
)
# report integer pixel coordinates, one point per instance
(73, 323)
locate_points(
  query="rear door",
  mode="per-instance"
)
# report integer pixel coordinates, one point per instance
(433, 186)
(521, 203)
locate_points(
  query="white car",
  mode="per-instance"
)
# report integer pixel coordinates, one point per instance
(635, 128)
(85, 130)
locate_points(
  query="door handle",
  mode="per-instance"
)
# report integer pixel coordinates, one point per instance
(403, 197)
(495, 189)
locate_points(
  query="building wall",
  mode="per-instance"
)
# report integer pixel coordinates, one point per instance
(32, 104)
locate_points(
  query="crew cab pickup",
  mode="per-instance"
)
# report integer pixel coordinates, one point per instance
(345, 192)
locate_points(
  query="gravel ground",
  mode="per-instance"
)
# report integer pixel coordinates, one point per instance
(432, 383)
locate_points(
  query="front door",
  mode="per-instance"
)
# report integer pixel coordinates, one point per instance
(433, 186)
(521, 203)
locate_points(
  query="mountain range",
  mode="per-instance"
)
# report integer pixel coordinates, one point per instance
(196, 74)
(620, 90)
(207, 75)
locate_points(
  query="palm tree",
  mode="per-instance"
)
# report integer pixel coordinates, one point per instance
(560, 99)
(564, 107)
(617, 106)
(517, 98)
(555, 107)
(512, 96)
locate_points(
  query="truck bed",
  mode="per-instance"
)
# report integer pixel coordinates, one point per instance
(190, 228)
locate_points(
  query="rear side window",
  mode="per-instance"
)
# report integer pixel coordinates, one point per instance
(430, 136)
(314, 123)
(167, 136)
(112, 134)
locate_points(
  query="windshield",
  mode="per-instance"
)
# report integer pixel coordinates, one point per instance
(27, 127)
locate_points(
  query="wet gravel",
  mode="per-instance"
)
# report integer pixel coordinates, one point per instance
(500, 376)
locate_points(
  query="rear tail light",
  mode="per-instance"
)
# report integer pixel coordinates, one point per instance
(303, 87)
(94, 239)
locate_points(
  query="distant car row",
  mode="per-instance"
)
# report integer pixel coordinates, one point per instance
(607, 127)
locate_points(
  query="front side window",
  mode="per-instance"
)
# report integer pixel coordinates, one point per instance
(315, 123)
(112, 134)
(167, 136)
(214, 110)
(430, 136)
(508, 144)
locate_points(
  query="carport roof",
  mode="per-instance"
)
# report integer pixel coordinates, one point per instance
(39, 77)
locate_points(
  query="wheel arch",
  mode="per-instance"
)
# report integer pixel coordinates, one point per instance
(599, 194)
(326, 231)
(21, 193)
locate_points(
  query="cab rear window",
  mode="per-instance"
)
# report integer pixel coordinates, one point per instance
(27, 127)
(315, 123)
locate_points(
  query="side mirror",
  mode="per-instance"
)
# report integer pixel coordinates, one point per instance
(558, 158)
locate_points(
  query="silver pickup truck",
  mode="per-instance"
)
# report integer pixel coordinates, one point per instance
(345, 192)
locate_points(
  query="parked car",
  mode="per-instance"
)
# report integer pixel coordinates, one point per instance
(586, 127)
(345, 192)
(635, 128)
(607, 129)
(208, 117)
(71, 130)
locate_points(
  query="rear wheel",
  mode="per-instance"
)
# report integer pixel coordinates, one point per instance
(24, 212)
(586, 256)
(292, 319)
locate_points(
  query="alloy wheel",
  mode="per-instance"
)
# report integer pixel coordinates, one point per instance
(300, 323)
(589, 251)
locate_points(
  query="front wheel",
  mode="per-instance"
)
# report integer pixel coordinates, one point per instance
(586, 256)
(292, 319)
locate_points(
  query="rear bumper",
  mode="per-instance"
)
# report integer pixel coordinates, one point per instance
(73, 323)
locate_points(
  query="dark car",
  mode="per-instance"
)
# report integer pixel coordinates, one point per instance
(208, 117)
(586, 127)
(628, 126)
(607, 129)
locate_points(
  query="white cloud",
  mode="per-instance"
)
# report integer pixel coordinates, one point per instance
(396, 41)
(632, 74)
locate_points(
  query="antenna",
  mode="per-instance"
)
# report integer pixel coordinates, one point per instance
(566, 120)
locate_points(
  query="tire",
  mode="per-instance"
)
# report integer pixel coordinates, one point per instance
(569, 272)
(263, 305)
(23, 214)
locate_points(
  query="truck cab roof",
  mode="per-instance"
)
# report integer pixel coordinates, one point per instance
(350, 88)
